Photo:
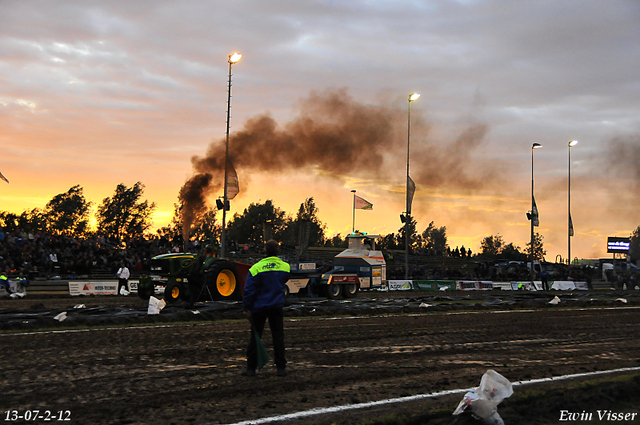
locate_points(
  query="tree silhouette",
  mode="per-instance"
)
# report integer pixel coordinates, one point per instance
(124, 216)
(67, 213)
(539, 251)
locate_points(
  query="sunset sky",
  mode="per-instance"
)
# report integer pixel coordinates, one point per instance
(98, 93)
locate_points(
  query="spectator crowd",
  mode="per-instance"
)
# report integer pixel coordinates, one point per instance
(46, 256)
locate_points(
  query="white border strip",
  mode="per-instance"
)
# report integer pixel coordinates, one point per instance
(335, 409)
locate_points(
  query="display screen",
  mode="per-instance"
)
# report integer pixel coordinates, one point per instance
(618, 244)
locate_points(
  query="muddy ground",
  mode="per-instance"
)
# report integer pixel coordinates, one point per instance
(111, 363)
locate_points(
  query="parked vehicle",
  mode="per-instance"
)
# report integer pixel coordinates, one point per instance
(358, 267)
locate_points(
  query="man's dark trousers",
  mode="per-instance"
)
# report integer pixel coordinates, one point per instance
(276, 323)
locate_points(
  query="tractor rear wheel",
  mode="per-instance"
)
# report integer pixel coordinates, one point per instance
(172, 292)
(334, 291)
(223, 281)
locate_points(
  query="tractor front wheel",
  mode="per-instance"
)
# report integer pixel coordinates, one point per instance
(173, 292)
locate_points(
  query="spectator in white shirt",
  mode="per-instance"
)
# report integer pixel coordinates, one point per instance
(123, 277)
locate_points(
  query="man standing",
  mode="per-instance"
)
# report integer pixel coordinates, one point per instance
(264, 295)
(544, 276)
(123, 277)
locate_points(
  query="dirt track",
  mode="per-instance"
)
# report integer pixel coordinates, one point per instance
(185, 373)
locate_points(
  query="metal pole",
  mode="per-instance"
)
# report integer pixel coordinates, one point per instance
(407, 215)
(223, 240)
(353, 229)
(569, 212)
(532, 272)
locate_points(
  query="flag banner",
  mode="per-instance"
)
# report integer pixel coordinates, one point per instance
(263, 354)
(411, 189)
(534, 212)
(570, 226)
(362, 204)
(3, 178)
(233, 187)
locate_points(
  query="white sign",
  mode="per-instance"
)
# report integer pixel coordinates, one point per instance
(109, 287)
(295, 285)
(400, 285)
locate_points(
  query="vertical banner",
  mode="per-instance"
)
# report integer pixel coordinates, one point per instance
(570, 226)
(411, 189)
(233, 187)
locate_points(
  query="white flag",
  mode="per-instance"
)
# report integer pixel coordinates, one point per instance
(362, 204)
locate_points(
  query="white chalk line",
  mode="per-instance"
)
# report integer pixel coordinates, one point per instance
(336, 409)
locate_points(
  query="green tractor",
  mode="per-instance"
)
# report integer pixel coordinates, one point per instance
(189, 277)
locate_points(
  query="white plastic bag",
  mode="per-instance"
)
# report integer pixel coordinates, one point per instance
(495, 387)
(61, 317)
(123, 291)
(483, 401)
(155, 305)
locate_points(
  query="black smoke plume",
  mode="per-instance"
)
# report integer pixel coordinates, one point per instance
(335, 135)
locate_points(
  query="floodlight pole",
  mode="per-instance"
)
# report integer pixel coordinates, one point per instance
(570, 224)
(233, 58)
(533, 216)
(412, 97)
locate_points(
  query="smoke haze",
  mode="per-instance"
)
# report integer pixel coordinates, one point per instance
(341, 138)
(623, 158)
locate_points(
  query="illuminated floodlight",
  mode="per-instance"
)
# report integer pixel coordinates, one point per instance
(234, 57)
(414, 96)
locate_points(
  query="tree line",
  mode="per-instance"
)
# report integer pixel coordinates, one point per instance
(126, 216)
(120, 217)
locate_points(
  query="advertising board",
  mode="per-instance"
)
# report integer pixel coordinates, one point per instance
(400, 285)
(98, 287)
(618, 245)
